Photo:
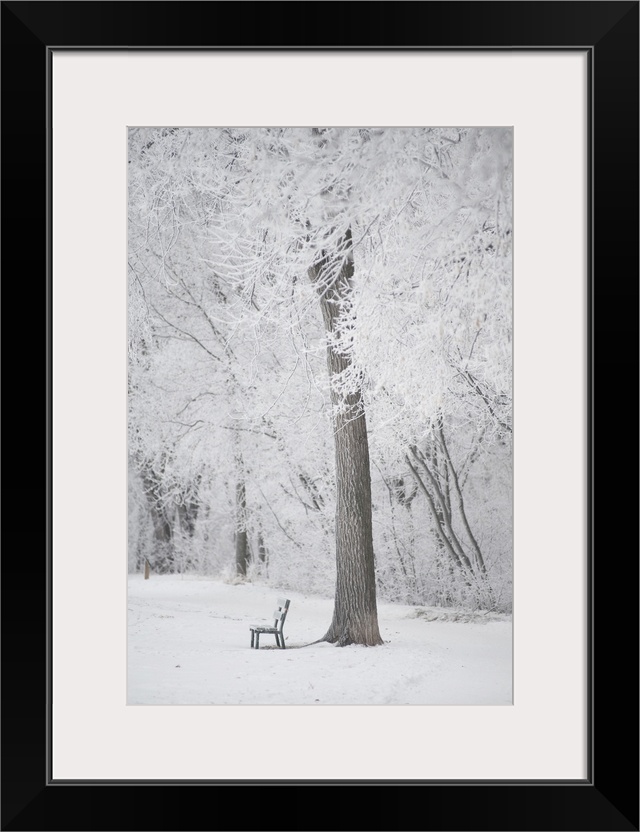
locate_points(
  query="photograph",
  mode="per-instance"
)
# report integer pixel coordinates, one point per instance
(336, 303)
(320, 415)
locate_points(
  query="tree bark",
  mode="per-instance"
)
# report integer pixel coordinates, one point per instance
(355, 615)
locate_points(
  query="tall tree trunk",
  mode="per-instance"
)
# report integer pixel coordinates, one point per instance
(355, 615)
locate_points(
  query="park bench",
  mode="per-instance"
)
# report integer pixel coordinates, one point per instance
(279, 618)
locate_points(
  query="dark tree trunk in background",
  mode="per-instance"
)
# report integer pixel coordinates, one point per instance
(163, 554)
(242, 548)
(187, 513)
(355, 616)
(262, 549)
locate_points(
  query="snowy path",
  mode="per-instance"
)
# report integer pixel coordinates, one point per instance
(189, 644)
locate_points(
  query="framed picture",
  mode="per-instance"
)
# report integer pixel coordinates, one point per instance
(564, 78)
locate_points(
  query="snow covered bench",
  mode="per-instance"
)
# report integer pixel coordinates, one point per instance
(279, 618)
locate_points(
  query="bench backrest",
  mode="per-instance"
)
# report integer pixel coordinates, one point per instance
(281, 613)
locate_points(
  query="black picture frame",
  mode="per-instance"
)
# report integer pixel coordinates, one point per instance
(608, 798)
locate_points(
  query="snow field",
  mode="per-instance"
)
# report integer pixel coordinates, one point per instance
(189, 644)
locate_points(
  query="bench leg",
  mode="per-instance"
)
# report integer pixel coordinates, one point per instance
(257, 641)
(251, 638)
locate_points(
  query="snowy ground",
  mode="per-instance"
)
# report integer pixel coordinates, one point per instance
(189, 644)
